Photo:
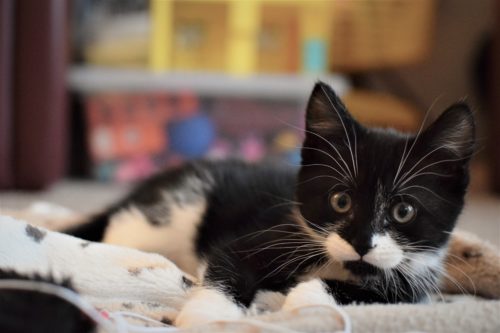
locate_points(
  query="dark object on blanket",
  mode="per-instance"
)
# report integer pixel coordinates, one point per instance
(30, 311)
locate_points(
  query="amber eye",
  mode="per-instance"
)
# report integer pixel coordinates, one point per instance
(341, 202)
(403, 212)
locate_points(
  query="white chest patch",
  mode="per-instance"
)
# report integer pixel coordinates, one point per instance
(385, 253)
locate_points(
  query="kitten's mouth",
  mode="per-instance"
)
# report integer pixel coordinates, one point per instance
(360, 268)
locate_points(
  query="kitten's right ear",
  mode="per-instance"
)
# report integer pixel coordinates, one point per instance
(326, 115)
(454, 131)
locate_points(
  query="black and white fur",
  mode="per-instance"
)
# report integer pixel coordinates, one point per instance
(252, 227)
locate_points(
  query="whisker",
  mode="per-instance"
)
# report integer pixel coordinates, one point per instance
(416, 164)
(342, 122)
(444, 161)
(416, 137)
(428, 190)
(423, 174)
(326, 166)
(344, 174)
(321, 176)
(323, 139)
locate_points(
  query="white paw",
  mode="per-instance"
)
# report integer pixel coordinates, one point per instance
(266, 301)
(312, 292)
(206, 305)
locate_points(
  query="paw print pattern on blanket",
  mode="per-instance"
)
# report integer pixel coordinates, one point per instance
(110, 277)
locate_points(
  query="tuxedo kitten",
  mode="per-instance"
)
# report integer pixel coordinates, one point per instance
(369, 211)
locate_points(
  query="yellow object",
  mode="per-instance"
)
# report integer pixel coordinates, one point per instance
(314, 35)
(243, 28)
(286, 141)
(130, 53)
(314, 21)
(198, 39)
(237, 36)
(279, 44)
(161, 34)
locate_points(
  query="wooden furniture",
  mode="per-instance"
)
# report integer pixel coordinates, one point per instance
(32, 94)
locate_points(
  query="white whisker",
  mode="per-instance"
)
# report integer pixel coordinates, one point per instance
(415, 140)
(343, 125)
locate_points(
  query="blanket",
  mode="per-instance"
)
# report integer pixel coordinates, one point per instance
(127, 283)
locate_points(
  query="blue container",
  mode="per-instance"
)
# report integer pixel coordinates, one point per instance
(191, 137)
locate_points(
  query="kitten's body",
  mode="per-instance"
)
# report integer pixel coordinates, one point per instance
(243, 214)
(343, 213)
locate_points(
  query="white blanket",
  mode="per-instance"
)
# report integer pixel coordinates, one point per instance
(114, 278)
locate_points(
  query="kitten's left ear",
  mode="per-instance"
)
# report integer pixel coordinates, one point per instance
(326, 115)
(453, 130)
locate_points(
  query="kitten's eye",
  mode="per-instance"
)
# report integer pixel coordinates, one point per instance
(403, 212)
(341, 202)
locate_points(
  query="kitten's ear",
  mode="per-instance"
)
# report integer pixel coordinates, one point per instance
(326, 115)
(453, 130)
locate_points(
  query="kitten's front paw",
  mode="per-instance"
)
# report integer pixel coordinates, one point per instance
(206, 305)
(312, 292)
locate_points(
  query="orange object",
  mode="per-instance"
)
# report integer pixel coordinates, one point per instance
(122, 126)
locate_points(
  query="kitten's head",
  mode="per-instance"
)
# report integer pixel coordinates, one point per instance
(379, 199)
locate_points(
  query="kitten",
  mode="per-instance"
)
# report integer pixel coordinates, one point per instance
(369, 210)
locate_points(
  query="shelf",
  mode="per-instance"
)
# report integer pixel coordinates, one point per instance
(89, 80)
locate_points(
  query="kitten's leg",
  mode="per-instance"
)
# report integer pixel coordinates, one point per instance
(312, 292)
(207, 304)
(229, 286)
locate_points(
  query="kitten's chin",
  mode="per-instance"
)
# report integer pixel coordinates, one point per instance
(361, 268)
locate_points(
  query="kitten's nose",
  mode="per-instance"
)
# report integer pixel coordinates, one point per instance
(361, 247)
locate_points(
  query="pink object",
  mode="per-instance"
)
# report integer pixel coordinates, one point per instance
(252, 148)
(135, 168)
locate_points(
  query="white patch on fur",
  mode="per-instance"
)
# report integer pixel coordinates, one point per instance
(207, 305)
(380, 202)
(385, 253)
(266, 301)
(339, 249)
(421, 262)
(201, 270)
(129, 227)
(312, 292)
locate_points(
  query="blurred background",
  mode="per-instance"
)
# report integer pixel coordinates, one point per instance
(97, 94)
